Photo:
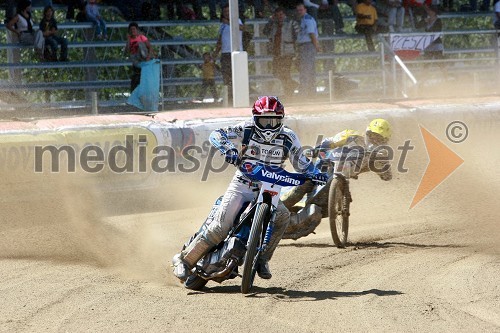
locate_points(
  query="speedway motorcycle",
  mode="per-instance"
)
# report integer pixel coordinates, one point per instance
(341, 164)
(251, 232)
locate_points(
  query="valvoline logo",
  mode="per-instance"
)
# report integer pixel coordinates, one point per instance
(283, 178)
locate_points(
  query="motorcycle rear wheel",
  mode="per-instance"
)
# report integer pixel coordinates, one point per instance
(250, 262)
(339, 219)
(194, 282)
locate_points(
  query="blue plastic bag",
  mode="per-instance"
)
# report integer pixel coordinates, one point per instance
(146, 95)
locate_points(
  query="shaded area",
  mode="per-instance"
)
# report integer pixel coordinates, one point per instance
(382, 245)
(299, 295)
(372, 244)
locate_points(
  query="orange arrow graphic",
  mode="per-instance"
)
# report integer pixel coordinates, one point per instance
(442, 162)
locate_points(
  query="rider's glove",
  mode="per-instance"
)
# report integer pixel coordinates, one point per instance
(232, 156)
(321, 176)
(315, 174)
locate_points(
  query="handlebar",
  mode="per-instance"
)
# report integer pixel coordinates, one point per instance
(278, 175)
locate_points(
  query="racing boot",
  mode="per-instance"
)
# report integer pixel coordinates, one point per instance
(263, 269)
(297, 193)
(184, 261)
(304, 222)
(181, 270)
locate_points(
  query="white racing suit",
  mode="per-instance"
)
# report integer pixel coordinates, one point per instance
(304, 221)
(241, 189)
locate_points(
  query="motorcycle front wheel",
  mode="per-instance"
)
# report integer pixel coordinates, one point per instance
(250, 262)
(339, 218)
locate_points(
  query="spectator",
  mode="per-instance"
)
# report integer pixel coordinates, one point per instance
(395, 13)
(178, 9)
(289, 6)
(312, 8)
(22, 24)
(416, 10)
(212, 8)
(496, 11)
(208, 69)
(72, 5)
(308, 47)
(282, 33)
(224, 46)
(366, 22)
(197, 8)
(139, 48)
(329, 10)
(432, 23)
(48, 26)
(241, 8)
(259, 6)
(10, 10)
(185, 13)
(93, 15)
(331, 22)
(81, 16)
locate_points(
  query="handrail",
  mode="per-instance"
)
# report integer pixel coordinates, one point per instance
(105, 44)
(173, 23)
(444, 33)
(398, 60)
(183, 61)
(193, 80)
(191, 23)
(175, 41)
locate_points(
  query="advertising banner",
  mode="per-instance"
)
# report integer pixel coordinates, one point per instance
(410, 47)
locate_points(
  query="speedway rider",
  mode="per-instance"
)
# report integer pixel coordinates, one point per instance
(377, 134)
(263, 140)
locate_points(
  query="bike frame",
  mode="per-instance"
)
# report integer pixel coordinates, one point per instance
(342, 162)
(255, 227)
(269, 193)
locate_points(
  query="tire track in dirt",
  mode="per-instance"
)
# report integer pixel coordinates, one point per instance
(69, 267)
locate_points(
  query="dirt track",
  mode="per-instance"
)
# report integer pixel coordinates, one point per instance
(434, 268)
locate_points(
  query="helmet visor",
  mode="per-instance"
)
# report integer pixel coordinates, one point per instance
(268, 123)
(376, 138)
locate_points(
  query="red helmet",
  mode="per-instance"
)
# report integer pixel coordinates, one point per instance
(268, 106)
(268, 113)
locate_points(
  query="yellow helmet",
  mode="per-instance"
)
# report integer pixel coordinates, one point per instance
(380, 126)
(342, 137)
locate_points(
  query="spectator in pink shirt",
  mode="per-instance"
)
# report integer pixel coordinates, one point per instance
(139, 48)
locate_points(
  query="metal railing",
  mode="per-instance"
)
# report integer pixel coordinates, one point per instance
(466, 69)
(97, 68)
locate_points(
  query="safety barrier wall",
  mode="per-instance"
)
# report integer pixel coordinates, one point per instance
(130, 163)
(114, 152)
